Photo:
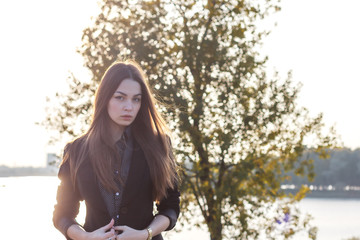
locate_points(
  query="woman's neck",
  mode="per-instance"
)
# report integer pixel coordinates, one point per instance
(117, 131)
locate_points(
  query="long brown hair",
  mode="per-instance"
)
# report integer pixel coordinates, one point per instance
(149, 130)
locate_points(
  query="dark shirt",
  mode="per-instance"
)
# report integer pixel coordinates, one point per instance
(121, 170)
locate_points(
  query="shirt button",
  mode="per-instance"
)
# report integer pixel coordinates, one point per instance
(117, 194)
(117, 172)
(117, 216)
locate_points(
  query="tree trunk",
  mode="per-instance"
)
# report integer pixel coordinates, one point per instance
(215, 226)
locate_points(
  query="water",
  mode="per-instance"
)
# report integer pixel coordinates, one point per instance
(336, 218)
(26, 205)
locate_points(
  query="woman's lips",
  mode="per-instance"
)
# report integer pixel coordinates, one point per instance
(126, 117)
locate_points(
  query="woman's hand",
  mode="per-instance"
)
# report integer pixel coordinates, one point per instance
(102, 234)
(78, 233)
(129, 233)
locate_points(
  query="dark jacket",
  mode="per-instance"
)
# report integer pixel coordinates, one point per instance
(136, 210)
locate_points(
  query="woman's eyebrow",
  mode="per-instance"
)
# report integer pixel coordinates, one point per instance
(139, 94)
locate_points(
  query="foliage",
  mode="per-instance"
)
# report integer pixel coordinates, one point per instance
(236, 131)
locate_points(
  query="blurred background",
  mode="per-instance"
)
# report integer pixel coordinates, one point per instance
(316, 40)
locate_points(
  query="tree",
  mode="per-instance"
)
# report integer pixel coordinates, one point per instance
(236, 131)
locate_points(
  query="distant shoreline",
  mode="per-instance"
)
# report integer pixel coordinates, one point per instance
(330, 194)
(27, 171)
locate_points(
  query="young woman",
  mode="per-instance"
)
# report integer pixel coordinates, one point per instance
(120, 166)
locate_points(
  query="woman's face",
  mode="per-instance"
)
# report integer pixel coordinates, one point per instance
(124, 105)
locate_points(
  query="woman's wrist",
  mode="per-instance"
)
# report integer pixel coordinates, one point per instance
(77, 233)
(144, 233)
(84, 235)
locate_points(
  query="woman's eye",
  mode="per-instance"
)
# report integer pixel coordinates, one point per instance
(119, 97)
(137, 99)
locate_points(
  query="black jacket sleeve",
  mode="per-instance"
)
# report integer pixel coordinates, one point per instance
(170, 206)
(67, 206)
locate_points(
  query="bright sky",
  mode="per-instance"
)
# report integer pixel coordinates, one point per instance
(317, 39)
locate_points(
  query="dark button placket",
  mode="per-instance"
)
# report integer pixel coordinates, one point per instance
(121, 170)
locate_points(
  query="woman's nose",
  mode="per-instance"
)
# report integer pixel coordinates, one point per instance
(128, 106)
